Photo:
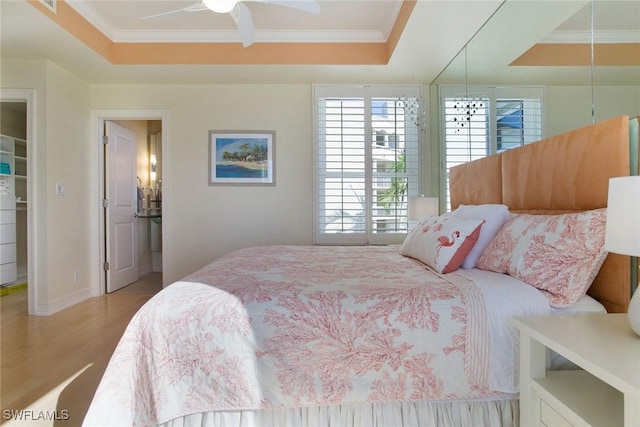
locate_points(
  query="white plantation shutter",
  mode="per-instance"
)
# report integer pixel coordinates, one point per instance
(479, 121)
(341, 163)
(367, 162)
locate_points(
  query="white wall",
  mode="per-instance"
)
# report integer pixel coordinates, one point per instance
(61, 146)
(207, 222)
(569, 107)
(67, 160)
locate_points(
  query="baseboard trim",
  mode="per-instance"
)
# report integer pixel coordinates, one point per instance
(58, 304)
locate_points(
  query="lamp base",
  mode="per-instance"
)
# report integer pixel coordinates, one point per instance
(634, 312)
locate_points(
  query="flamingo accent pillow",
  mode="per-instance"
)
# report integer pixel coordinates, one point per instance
(494, 216)
(442, 242)
(558, 254)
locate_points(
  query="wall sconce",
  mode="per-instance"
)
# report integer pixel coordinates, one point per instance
(153, 162)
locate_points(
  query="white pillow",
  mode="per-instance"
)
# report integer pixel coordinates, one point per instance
(584, 305)
(494, 217)
(442, 242)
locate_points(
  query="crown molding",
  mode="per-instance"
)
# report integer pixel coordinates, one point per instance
(195, 36)
(85, 10)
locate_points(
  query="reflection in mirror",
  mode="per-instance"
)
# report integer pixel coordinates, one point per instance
(534, 58)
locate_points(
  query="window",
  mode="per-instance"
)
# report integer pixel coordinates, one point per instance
(367, 162)
(480, 121)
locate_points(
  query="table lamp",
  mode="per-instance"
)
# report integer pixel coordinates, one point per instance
(623, 229)
(421, 206)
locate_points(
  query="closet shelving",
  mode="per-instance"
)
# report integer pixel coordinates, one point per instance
(20, 173)
(13, 198)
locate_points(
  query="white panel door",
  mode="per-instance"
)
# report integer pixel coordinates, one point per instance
(122, 232)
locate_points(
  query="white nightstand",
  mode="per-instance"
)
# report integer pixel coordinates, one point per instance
(605, 393)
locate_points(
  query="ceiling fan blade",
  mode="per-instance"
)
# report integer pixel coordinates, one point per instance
(242, 16)
(310, 6)
(195, 7)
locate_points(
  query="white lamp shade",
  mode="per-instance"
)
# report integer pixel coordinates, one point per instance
(420, 207)
(623, 216)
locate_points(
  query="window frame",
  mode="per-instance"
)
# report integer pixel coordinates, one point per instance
(368, 93)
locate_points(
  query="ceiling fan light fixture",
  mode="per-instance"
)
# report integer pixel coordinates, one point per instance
(220, 6)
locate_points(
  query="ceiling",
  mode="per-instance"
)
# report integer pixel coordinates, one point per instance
(388, 41)
(273, 22)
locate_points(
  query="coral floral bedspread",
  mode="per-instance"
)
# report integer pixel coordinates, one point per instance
(290, 326)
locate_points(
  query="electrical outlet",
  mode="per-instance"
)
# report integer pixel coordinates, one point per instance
(59, 189)
(76, 274)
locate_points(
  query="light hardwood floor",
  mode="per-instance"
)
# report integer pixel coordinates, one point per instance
(40, 353)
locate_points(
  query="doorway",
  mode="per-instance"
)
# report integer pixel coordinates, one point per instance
(17, 254)
(125, 246)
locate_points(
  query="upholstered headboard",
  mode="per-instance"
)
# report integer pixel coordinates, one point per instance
(565, 173)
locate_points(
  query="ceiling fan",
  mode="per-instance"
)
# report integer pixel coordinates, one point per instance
(240, 12)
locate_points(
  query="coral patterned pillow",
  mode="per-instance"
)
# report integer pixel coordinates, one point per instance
(558, 254)
(442, 242)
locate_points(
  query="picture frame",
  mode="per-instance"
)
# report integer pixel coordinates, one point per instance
(238, 157)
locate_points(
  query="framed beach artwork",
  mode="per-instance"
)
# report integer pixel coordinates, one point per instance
(242, 157)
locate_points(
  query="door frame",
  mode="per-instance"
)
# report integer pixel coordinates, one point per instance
(34, 263)
(98, 119)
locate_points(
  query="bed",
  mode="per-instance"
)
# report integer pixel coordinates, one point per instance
(364, 336)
